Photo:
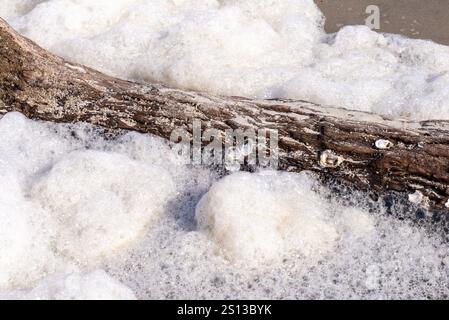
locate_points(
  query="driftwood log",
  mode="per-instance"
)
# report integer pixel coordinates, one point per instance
(46, 87)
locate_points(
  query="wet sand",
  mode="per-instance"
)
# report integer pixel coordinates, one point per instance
(423, 19)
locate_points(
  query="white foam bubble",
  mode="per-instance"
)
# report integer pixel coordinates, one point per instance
(257, 217)
(262, 49)
(96, 285)
(10, 9)
(101, 201)
(65, 207)
(21, 245)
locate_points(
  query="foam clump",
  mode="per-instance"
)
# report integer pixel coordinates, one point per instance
(68, 200)
(23, 247)
(253, 48)
(101, 201)
(10, 9)
(96, 285)
(265, 216)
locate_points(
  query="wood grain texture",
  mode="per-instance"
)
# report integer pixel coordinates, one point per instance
(46, 87)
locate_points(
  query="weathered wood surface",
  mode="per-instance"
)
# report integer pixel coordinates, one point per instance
(46, 87)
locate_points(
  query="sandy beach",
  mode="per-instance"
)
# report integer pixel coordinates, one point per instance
(413, 18)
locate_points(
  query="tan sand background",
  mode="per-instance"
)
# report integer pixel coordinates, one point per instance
(424, 19)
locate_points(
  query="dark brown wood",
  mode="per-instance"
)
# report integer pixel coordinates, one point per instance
(46, 87)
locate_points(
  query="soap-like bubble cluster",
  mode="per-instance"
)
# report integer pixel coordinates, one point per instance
(88, 217)
(286, 221)
(69, 199)
(253, 48)
(96, 285)
(101, 201)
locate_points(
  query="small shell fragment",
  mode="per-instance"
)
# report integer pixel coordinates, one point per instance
(416, 197)
(329, 159)
(383, 144)
(447, 204)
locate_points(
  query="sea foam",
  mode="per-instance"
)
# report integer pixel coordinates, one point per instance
(83, 216)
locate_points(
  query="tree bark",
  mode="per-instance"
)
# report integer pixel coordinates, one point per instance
(46, 87)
